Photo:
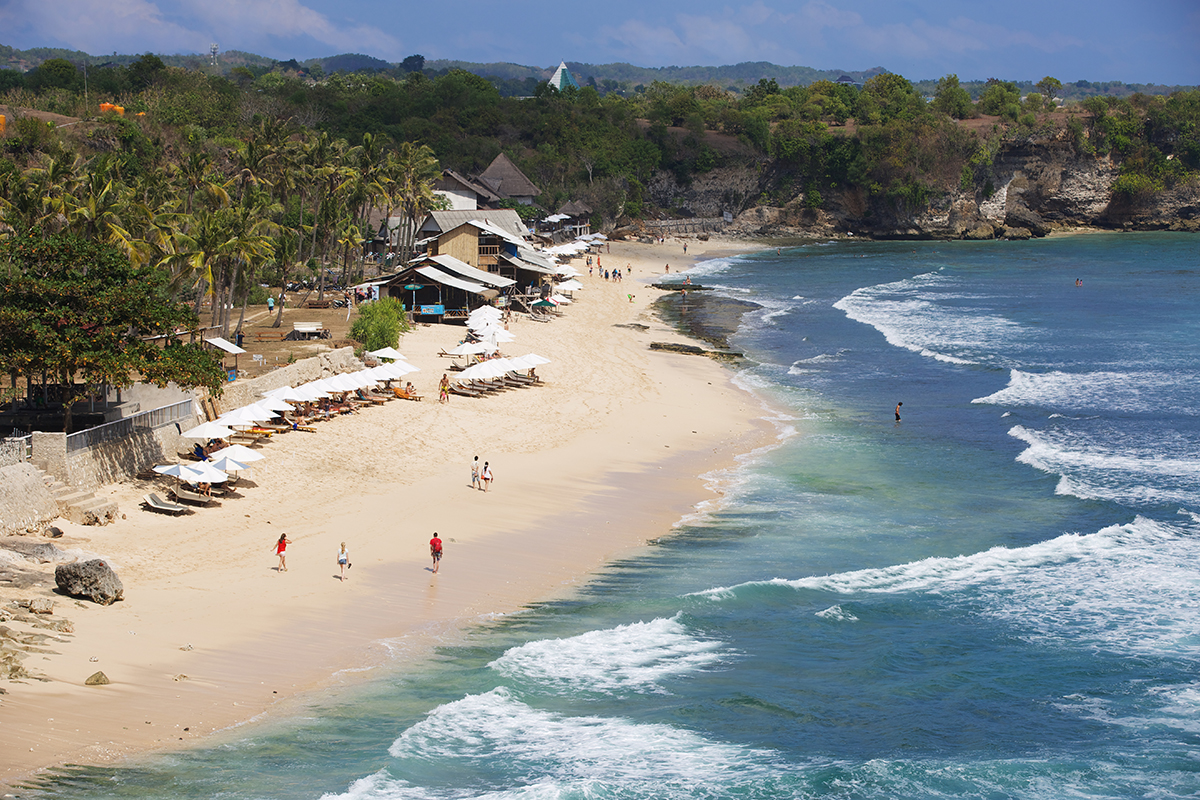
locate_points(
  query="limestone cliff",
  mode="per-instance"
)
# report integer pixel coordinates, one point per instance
(1031, 187)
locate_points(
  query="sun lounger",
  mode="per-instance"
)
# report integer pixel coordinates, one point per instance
(524, 380)
(188, 496)
(155, 503)
(464, 390)
(403, 395)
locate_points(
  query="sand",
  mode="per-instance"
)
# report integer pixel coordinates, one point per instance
(603, 457)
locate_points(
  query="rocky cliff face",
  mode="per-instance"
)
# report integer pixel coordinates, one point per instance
(1031, 188)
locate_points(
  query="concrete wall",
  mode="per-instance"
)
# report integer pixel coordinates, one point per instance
(115, 461)
(26, 505)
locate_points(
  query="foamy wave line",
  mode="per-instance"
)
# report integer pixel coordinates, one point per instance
(495, 727)
(907, 320)
(633, 657)
(1110, 391)
(1098, 473)
(940, 574)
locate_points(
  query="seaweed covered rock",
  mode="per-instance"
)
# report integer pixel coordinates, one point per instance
(93, 579)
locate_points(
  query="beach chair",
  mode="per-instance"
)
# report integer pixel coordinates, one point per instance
(188, 496)
(404, 395)
(464, 390)
(155, 503)
(524, 380)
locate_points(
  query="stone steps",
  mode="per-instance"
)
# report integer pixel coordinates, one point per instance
(80, 506)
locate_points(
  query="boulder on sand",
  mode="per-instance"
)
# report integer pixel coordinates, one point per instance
(93, 579)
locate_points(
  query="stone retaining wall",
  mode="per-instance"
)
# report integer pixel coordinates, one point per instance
(26, 505)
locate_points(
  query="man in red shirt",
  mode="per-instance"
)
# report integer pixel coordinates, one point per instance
(435, 550)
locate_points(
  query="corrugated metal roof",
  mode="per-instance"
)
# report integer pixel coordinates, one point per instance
(467, 271)
(504, 218)
(434, 274)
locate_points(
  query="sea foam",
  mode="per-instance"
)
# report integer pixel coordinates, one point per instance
(621, 660)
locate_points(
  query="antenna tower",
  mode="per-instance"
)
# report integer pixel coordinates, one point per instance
(214, 50)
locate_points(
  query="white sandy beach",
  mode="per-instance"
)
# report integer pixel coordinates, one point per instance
(589, 466)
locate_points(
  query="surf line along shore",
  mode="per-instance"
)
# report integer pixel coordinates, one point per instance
(603, 457)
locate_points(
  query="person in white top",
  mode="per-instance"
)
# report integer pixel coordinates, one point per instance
(485, 476)
(343, 559)
(475, 473)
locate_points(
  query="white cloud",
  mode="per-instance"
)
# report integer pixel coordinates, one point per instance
(100, 26)
(246, 23)
(172, 26)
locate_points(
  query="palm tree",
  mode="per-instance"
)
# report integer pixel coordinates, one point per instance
(416, 171)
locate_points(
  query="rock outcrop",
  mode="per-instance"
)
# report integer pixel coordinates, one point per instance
(1036, 184)
(93, 579)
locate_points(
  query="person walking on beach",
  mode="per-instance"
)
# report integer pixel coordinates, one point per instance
(281, 551)
(444, 390)
(475, 473)
(898, 410)
(435, 550)
(485, 476)
(343, 559)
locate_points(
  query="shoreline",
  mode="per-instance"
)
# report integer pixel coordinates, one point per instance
(592, 466)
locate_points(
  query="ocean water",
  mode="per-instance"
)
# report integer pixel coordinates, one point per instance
(997, 597)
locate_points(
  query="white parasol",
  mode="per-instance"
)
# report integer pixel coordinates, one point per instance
(387, 352)
(208, 430)
(239, 452)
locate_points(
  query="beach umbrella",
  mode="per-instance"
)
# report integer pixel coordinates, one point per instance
(319, 387)
(274, 404)
(242, 417)
(286, 393)
(347, 383)
(171, 470)
(387, 352)
(496, 334)
(531, 360)
(239, 452)
(570, 286)
(208, 430)
(545, 304)
(558, 298)
(227, 464)
(467, 349)
(204, 472)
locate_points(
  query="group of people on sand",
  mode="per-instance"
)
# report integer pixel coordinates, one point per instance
(343, 555)
(481, 477)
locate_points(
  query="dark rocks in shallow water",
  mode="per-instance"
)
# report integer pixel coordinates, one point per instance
(93, 579)
(692, 350)
(709, 316)
(672, 347)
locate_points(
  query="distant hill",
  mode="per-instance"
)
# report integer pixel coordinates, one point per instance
(736, 75)
(519, 79)
(354, 62)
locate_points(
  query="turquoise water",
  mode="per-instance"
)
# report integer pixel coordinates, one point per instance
(997, 597)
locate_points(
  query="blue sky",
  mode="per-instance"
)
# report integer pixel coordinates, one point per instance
(1151, 41)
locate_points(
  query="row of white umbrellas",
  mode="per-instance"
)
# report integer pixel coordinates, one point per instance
(495, 367)
(235, 457)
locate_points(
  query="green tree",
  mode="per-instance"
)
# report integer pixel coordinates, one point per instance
(79, 309)
(379, 324)
(1049, 88)
(953, 100)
